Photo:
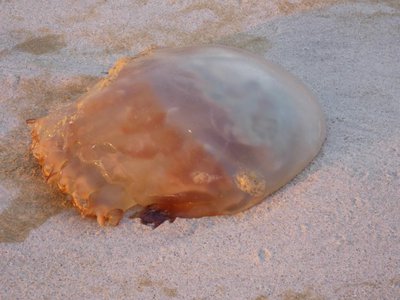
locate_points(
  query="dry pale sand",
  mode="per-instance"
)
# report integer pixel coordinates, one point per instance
(332, 233)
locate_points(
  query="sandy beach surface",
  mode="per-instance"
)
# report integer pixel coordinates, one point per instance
(331, 233)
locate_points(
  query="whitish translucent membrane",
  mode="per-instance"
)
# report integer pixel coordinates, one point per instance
(187, 132)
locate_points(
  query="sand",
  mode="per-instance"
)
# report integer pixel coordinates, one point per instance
(331, 233)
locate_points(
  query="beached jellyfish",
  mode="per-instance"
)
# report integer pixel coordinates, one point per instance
(187, 132)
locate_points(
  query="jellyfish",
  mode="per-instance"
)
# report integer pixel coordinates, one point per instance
(184, 132)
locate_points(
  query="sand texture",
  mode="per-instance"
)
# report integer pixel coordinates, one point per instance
(331, 233)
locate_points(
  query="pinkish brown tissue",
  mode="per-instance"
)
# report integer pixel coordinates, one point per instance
(187, 133)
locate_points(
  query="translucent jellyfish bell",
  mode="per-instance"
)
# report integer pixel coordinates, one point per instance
(186, 132)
